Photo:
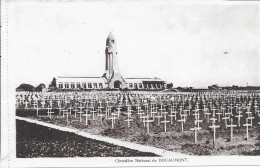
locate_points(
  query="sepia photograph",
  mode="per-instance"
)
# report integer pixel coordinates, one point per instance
(130, 83)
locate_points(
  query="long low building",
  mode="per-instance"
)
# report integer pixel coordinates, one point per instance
(111, 79)
(100, 83)
(145, 83)
(80, 82)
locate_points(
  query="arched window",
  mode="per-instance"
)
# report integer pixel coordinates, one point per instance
(100, 85)
(84, 85)
(60, 85)
(66, 85)
(78, 85)
(89, 85)
(135, 85)
(72, 85)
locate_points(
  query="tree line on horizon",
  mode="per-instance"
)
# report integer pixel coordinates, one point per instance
(30, 88)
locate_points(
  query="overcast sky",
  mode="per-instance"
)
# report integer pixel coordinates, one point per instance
(187, 44)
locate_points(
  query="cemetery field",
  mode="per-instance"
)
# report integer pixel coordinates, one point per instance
(193, 123)
(38, 141)
(173, 140)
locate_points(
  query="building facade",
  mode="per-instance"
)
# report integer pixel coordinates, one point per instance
(111, 79)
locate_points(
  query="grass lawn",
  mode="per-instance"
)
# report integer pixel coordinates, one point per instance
(38, 141)
(173, 140)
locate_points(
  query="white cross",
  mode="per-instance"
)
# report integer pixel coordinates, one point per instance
(80, 113)
(207, 116)
(165, 122)
(251, 119)
(58, 101)
(172, 115)
(144, 118)
(65, 112)
(70, 108)
(231, 127)
(195, 129)
(75, 110)
(247, 125)
(223, 110)
(186, 111)
(43, 103)
(158, 117)
(249, 114)
(35, 104)
(60, 108)
(128, 120)
(238, 118)
(108, 110)
(86, 115)
(214, 132)
(140, 113)
(164, 113)
(153, 113)
(214, 111)
(100, 109)
(181, 107)
(101, 117)
(49, 112)
(184, 116)
(226, 118)
(182, 122)
(118, 111)
(161, 109)
(37, 112)
(80, 108)
(198, 121)
(139, 110)
(230, 109)
(218, 116)
(148, 121)
(213, 120)
(146, 107)
(112, 121)
(93, 113)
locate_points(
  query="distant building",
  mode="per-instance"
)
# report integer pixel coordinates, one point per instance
(111, 79)
(214, 87)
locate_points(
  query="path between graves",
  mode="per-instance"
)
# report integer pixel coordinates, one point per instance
(134, 146)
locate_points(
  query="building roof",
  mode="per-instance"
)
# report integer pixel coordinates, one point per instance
(81, 79)
(76, 77)
(103, 80)
(139, 80)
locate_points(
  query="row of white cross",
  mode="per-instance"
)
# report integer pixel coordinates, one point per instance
(110, 108)
(133, 97)
(147, 119)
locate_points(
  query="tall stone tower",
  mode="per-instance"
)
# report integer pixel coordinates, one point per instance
(114, 78)
(111, 56)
